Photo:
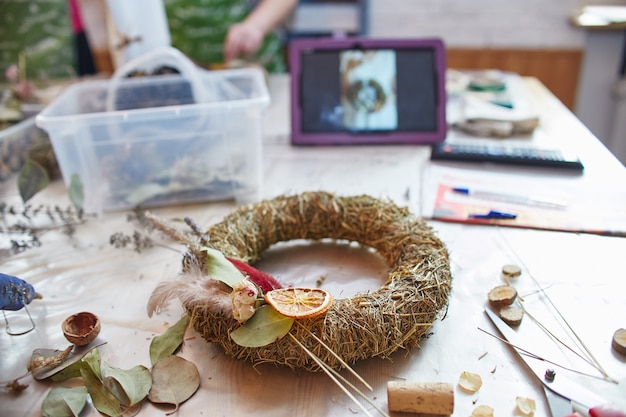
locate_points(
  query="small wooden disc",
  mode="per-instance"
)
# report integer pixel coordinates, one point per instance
(619, 341)
(511, 315)
(511, 271)
(502, 296)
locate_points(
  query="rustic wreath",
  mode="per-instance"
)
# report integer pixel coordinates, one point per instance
(372, 324)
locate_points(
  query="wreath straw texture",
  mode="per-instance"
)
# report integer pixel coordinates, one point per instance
(372, 324)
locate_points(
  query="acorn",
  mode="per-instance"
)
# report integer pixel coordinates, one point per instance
(81, 328)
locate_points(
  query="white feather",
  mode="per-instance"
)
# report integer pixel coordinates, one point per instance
(192, 287)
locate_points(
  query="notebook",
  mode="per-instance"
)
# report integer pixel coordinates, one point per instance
(367, 91)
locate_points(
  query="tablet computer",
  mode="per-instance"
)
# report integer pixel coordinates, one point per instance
(367, 91)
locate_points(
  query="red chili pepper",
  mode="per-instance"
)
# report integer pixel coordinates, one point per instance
(265, 281)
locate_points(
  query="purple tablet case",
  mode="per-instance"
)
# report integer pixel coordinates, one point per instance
(367, 91)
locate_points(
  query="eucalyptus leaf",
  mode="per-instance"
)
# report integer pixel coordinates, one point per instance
(174, 380)
(92, 358)
(76, 192)
(167, 343)
(130, 386)
(221, 269)
(103, 399)
(266, 326)
(31, 179)
(64, 402)
(72, 370)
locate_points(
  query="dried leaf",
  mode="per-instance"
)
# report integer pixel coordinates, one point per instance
(101, 397)
(76, 192)
(167, 343)
(265, 327)
(31, 179)
(470, 382)
(64, 402)
(132, 411)
(482, 411)
(69, 372)
(130, 386)
(526, 406)
(46, 362)
(91, 359)
(174, 380)
(221, 269)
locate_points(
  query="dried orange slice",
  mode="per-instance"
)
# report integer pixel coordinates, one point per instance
(299, 303)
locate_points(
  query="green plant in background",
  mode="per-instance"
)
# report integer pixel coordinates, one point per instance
(42, 31)
(37, 32)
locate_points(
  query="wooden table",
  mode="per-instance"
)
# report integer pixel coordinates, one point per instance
(582, 274)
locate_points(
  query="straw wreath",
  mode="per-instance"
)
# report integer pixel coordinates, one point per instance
(371, 324)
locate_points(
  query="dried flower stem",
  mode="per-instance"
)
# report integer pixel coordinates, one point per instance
(174, 233)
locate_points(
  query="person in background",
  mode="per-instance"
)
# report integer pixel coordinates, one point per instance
(220, 32)
(84, 60)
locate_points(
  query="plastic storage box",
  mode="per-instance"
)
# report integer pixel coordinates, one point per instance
(161, 139)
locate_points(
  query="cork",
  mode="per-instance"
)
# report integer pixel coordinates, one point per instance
(421, 397)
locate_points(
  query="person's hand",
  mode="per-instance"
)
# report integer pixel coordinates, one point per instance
(243, 39)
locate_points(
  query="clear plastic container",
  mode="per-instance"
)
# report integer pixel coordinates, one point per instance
(161, 140)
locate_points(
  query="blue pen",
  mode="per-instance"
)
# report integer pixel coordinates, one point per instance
(511, 198)
(494, 215)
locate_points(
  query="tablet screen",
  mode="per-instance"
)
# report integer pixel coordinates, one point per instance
(375, 94)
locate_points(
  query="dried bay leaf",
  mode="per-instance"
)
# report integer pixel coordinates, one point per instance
(167, 343)
(265, 327)
(31, 179)
(130, 386)
(174, 380)
(64, 402)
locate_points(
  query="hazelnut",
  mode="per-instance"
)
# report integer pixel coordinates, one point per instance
(81, 328)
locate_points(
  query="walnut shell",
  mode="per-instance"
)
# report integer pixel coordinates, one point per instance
(81, 328)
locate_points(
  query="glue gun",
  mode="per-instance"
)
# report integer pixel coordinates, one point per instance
(15, 293)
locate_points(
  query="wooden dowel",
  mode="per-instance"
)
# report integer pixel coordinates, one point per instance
(421, 397)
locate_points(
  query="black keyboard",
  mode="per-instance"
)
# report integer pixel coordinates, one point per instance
(505, 154)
